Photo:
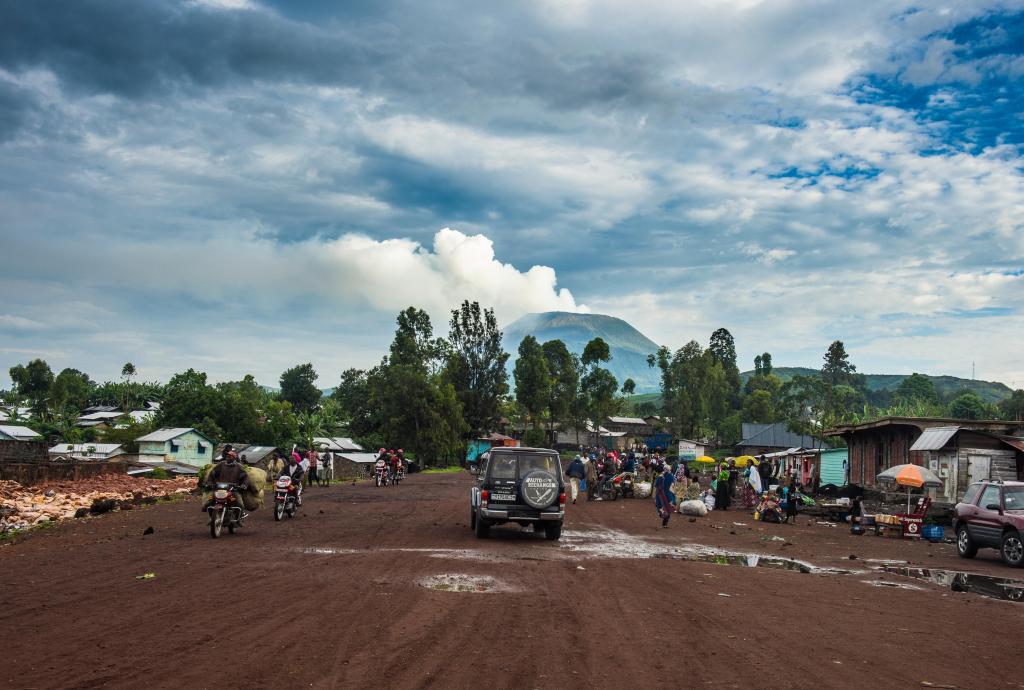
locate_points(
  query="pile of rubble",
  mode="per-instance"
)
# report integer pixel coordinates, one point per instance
(23, 507)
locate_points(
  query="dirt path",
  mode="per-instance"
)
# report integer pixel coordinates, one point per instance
(611, 606)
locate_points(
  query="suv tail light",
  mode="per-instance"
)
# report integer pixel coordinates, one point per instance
(561, 499)
(484, 496)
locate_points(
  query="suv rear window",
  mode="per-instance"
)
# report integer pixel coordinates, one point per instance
(548, 463)
(971, 493)
(503, 466)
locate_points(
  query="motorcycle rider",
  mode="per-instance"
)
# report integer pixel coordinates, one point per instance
(293, 470)
(228, 471)
(395, 461)
(381, 465)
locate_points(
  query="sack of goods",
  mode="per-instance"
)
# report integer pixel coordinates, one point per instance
(251, 499)
(693, 508)
(642, 489)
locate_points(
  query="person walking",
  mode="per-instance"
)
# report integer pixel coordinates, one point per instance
(590, 471)
(575, 472)
(664, 498)
(722, 488)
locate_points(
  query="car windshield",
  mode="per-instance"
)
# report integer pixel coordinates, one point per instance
(971, 493)
(529, 463)
(1013, 498)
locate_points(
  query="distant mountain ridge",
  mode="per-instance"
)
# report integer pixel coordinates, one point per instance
(629, 347)
(989, 391)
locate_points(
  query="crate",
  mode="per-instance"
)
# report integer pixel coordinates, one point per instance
(933, 533)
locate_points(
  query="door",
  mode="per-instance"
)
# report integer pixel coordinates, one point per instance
(984, 527)
(979, 467)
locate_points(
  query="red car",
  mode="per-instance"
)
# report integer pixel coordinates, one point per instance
(991, 516)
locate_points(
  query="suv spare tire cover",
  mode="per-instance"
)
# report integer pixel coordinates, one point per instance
(539, 489)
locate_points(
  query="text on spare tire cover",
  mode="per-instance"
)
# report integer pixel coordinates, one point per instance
(540, 489)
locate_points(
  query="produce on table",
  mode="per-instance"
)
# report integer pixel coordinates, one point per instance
(23, 507)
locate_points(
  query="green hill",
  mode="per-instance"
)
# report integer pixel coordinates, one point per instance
(629, 347)
(989, 391)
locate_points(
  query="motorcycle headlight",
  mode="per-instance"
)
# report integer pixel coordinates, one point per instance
(220, 494)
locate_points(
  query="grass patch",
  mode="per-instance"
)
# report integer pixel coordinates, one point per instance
(442, 470)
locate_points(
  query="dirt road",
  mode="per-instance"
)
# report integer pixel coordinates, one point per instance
(336, 598)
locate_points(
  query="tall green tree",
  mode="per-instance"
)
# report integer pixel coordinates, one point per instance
(33, 381)
(1013, 407)
(127, 372)
(297, 387)
(533, 383)
(71, 389)
(968, 405)
(564, 373)
(598, 386)
(476, 365)
(190, 402)
(723, 349)
(916, 388)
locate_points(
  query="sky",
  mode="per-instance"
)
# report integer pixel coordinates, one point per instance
(241, 185)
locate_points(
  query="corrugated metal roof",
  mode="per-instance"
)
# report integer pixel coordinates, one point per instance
(775, 436)
(626, 420)
(83, 448)
(161, 435)
(102, 415)
(1014, 441)
(358, 457)
(19, 433)
(935, 438)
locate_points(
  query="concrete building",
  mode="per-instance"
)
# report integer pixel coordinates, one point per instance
(186, 446)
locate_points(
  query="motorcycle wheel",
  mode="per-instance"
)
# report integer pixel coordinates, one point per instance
(376, 480)
(291, 511)
(216, 522)
(231, 526)
(278, 511)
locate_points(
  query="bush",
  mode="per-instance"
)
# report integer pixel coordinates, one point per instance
(535, 438)
(158, 473)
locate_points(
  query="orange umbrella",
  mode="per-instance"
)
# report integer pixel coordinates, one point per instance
(910, 476)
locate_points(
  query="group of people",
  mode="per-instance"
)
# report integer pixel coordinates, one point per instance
(230, 469)
(674, 483)
(391, 462)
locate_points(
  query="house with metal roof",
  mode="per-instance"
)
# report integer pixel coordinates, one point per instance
(760, 439)
(86, 451)
(186, 446)
(337, 444)
(960, 451)
(12, 432)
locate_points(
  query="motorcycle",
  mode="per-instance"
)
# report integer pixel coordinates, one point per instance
(286, 498)
(624, 484)
(608, 490)
(381, 476)
(398, 476)
(225, 507)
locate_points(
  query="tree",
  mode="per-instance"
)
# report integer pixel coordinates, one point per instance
(189, 401)
(71, 389)
(1013, 407)
(533, 385)
(837, 369)
(311, 425)
(240, 408)
(33, 381)
(766, 364)
(476, 365)
(413, 342)
(598, 388)
(358, 411)
(916, 388)
(968, 405)
(564, 373)
(127, 372)
(758, 407)
(723, 348)
(628, 387)
(595, 352)
(298, 389)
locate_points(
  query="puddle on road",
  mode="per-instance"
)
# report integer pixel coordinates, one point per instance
(614, 544)
(985, 585)
(454, 582)
(894, 585)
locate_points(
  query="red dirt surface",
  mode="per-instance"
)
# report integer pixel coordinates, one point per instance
(341, 604)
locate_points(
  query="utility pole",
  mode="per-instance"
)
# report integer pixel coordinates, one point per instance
(972, 371)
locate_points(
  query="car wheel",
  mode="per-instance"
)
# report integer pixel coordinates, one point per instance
(1012, 549)
(472, 517)
(552, 532)
(965, 546)
(483, 530)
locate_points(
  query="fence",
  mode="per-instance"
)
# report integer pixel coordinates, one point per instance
(28, 462)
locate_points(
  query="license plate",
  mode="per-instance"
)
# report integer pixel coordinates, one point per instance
(503, 498)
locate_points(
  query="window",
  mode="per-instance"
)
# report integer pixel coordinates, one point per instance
(529, 463)
(971, 493)
(200, 448)
(174, 447)
(990, 496)
(1013, 498)
(503, 466)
